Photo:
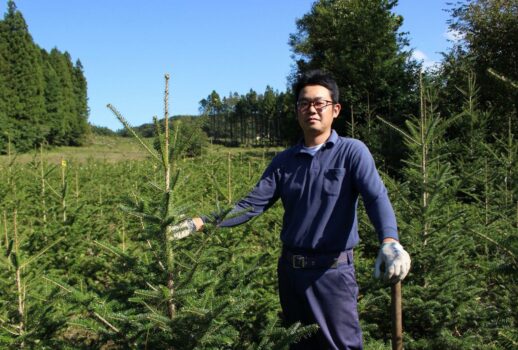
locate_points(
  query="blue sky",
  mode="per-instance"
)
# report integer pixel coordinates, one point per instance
(126, 46)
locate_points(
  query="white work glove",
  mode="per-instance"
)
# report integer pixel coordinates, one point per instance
(181, 230)
(396, 260)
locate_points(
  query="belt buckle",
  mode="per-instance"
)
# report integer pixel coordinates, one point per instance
(298, 261)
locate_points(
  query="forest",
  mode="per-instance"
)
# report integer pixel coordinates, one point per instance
(86, 261)
(43, 96)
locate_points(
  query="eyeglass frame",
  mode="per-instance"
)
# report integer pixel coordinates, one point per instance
(313, 103)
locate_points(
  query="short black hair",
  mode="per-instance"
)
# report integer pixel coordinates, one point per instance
(316, 77)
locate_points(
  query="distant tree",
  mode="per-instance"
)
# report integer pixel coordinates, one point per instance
(53, 103)
(60, 124)
(69, 124)
(289, 131)
(191, 139)
(252, 108)
(211, 107)
(267, 113)
(488, 33)
(251, 119)
(228, 109)
(3, 92)
(81, 128)
(102, 130)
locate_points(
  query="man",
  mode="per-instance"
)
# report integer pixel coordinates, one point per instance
(318, 182)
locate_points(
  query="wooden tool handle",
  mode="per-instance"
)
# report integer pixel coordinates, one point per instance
(397, 317)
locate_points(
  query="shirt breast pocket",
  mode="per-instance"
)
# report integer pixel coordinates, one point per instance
(333, 180)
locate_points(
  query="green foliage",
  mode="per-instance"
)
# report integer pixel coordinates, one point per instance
(487, 30)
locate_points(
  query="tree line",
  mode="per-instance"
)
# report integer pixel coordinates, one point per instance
(43, 95)
(252, 119)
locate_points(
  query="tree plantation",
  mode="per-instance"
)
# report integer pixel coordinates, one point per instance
(86, 259)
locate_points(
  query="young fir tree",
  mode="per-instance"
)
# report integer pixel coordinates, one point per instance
(495, 224)
(27, 311)
(486, 161)
(440, 296)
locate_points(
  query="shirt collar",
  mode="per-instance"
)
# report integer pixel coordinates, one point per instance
(333, 138)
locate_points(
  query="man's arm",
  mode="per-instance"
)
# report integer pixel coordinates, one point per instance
(264, 194)
(378, 207)
(374, 193)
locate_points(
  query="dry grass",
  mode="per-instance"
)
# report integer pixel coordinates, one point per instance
(111, 149)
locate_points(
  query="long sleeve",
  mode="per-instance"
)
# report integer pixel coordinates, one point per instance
(374, 193)
(262, 197)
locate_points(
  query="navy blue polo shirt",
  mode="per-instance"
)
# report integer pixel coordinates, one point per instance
(320, 196)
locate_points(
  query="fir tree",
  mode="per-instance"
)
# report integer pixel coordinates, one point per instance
(24, 81)
(63, 126)
(54, 104)
(81, 129)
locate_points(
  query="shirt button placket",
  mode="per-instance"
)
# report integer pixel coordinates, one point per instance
(315, 163)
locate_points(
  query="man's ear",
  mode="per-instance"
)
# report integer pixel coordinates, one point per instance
(336, 110)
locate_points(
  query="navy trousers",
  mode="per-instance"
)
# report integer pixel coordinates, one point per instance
(326, 296)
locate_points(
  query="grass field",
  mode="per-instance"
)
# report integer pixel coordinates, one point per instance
(113, 149)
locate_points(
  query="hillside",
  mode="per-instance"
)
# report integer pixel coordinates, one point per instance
(105, 148)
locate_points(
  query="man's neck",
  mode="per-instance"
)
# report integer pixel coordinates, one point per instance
(315, 140)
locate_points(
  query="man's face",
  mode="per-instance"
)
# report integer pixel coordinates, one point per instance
(315, 110)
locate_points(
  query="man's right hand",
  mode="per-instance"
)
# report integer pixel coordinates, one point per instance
(396, 261)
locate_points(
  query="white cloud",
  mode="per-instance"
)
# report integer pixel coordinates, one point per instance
(420, 56)
(453, 35)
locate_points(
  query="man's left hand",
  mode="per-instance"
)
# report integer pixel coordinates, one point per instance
(396, 260)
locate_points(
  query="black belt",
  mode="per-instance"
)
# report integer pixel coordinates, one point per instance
(308, 261)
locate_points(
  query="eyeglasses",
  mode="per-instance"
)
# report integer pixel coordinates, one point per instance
(319, 105)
